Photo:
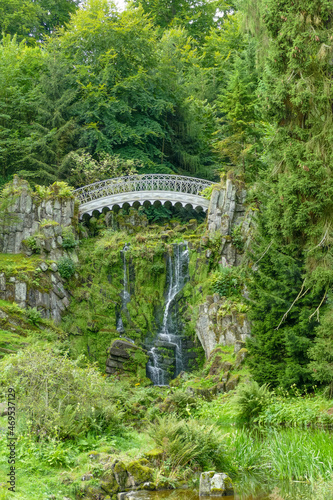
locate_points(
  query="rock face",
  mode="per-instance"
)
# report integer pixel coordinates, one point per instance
(125, 356)
(226, 213)
(22, 219)
(214, 326)
(39, 223)
(50, 298)
(229, 223)
(215, 484)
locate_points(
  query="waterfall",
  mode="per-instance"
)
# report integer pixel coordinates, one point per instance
(169, 335)
(125, 294)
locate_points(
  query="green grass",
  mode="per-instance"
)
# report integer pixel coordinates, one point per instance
(12, 264)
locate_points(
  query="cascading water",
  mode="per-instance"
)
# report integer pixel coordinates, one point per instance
(125, 294)
(169, 336)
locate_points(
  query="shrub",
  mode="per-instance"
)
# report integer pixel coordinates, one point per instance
(68, 238)
(251, 400)
(33, 315)
(157, 268)
(190, 443)
(181, 403)
(227, 282)
(33, 244)
(57, 397)
(238, 238)
(157, 214)
(66, 267)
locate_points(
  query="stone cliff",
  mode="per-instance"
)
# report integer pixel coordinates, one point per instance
(40, 224)
(229, 224)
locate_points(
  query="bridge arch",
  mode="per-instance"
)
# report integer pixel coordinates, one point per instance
(134, 189)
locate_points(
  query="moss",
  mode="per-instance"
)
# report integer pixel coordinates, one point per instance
(155, 455)
(109, 484)
(48, 222)
(140, 473)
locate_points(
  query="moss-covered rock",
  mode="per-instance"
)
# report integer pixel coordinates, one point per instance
(241, 356)
(215, 484)
(120, 473)
(138, 473)
(155, 456)
(109, 483)
(232, 383)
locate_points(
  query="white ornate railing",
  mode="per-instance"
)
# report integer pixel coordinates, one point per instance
(146, 182)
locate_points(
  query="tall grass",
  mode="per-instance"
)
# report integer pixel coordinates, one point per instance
(285, 455)
(299, 455)
(190, 443)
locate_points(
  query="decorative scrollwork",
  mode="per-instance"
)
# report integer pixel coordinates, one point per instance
(146, 182)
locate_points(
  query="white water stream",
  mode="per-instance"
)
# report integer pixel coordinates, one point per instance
(125, 294)
(169, 336)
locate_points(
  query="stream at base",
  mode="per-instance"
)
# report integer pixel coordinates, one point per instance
(189, 495)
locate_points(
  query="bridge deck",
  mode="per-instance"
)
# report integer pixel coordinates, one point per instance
(141, 188)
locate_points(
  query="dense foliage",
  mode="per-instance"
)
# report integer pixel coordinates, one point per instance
(293, 271)
(88, 92)
(140, 84)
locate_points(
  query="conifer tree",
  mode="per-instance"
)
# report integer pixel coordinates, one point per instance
(297, 193)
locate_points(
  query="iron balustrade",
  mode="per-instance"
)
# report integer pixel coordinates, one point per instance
(145, 182)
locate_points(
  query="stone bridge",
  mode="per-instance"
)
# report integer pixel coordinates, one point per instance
(139, 189)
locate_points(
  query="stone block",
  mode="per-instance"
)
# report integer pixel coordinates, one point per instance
(56, 316)
(116, 351)
(44, 300)
(59, 290)
(111, 363)
(232, 383)
(48, 231)
(31, 297)
(43, 266)
(239, 344)
(215, 484)
(2, 282)
(20, 292)
(49, 208)
(10, 292)
(241, 356)
(65, 302)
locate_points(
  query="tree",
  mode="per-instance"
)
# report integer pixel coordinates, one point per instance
(55, 13)
(239, 138)
(32, 20)
(297, 191)
(87, 170)
(190, 122)
(197, 16)
(281, 312)
(321, 352)
(122, 104)
(54, 132)
(19, 17)
(20, 67)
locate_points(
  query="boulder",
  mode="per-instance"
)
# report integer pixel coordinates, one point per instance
(155, 456)
(139, 474)
(232, 383)
(239, 344)
(242, 354)
(120, 473)
(109, 483)
(125, 356)
(215, 484)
